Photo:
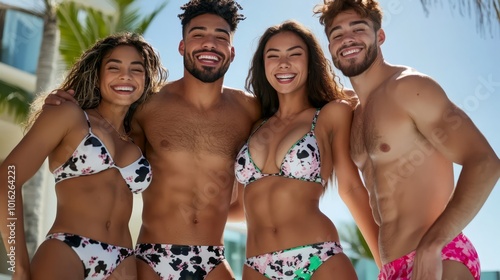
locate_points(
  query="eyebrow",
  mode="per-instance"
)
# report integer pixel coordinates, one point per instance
(119, 61)
(356, 22)
(289, 49)
(205, 29)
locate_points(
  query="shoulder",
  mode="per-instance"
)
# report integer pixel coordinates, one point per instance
(58, 121)
(411, 88)
(238, 93)
(409, 80)
(245, 99)
(66, 112)
(336, 111)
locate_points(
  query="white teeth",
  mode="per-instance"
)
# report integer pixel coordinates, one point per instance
(285, 76)
(124, 88)
(350, 52)
(208, 57)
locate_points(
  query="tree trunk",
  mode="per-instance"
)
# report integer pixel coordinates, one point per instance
(34, 189)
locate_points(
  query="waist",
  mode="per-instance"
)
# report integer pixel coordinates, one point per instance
(113, 234)
(400, 238)
(181, 227)
(267, 238)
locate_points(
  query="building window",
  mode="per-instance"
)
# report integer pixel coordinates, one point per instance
(21, 39)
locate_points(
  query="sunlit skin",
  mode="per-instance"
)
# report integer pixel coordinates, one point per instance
(406, 135)
(101, 202)
(286, 68)
(207, 53)
(191, 131)
(283, 213)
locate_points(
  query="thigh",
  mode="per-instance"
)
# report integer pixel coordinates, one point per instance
(252, 274)
(56, 260)
(454, 270)
(126, 270)
(338, 265)
(221, 272)
(144, 271)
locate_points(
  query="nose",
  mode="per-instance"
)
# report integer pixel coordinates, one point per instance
(347, 40)
(125, 75)
(284, 63)
(209, 42)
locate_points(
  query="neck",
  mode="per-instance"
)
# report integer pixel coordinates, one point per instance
(290, 107)
(201, 94)
(365, 83)
(114, 115)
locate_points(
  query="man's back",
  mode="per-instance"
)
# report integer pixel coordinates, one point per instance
(192, 152)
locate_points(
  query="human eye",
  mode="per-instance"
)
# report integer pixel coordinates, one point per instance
(222, 38)
(138, 70)
(335, 36)
(113, 67)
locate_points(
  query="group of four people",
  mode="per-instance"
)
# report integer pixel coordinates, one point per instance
(208, 153)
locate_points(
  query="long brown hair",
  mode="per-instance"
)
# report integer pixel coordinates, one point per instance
(321, 85)
(83, 77)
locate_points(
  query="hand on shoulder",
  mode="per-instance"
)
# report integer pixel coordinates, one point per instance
(59, 96)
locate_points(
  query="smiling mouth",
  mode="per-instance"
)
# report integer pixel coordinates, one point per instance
(124, 88)
(285, 77)
(349, 52)
(208, 58)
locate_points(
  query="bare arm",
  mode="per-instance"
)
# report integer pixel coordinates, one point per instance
(236, 211)
(461, 142)
(351, 189)
(21, 164)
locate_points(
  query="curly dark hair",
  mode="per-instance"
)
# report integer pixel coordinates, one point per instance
(321, 85)
(226, 9)
(84, 76)
(365, 8)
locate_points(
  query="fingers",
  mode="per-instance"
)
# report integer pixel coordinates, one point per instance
(59, 96)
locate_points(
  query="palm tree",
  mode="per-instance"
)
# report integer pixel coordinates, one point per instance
(79, 27)
(355, 245)
(487, 11)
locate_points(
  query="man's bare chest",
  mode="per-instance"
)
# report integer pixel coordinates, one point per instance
(196, 132)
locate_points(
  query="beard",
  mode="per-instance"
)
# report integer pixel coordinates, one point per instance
(206, 74)
(352, 69)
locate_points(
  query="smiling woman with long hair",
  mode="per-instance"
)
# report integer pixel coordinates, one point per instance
(96, 166)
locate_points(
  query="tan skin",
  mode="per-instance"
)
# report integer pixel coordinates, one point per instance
(102, 202)
(191, 132)
(284, 213)
(406, 135)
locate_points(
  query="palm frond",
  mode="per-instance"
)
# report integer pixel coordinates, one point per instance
(486, 12)
(354, 244)
(15, 101)
(81, 26)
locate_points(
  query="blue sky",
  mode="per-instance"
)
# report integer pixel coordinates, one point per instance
(443, 45)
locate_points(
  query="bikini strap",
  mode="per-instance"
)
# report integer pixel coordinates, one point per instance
(258, 127)
(315, 118)
(88, 121)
